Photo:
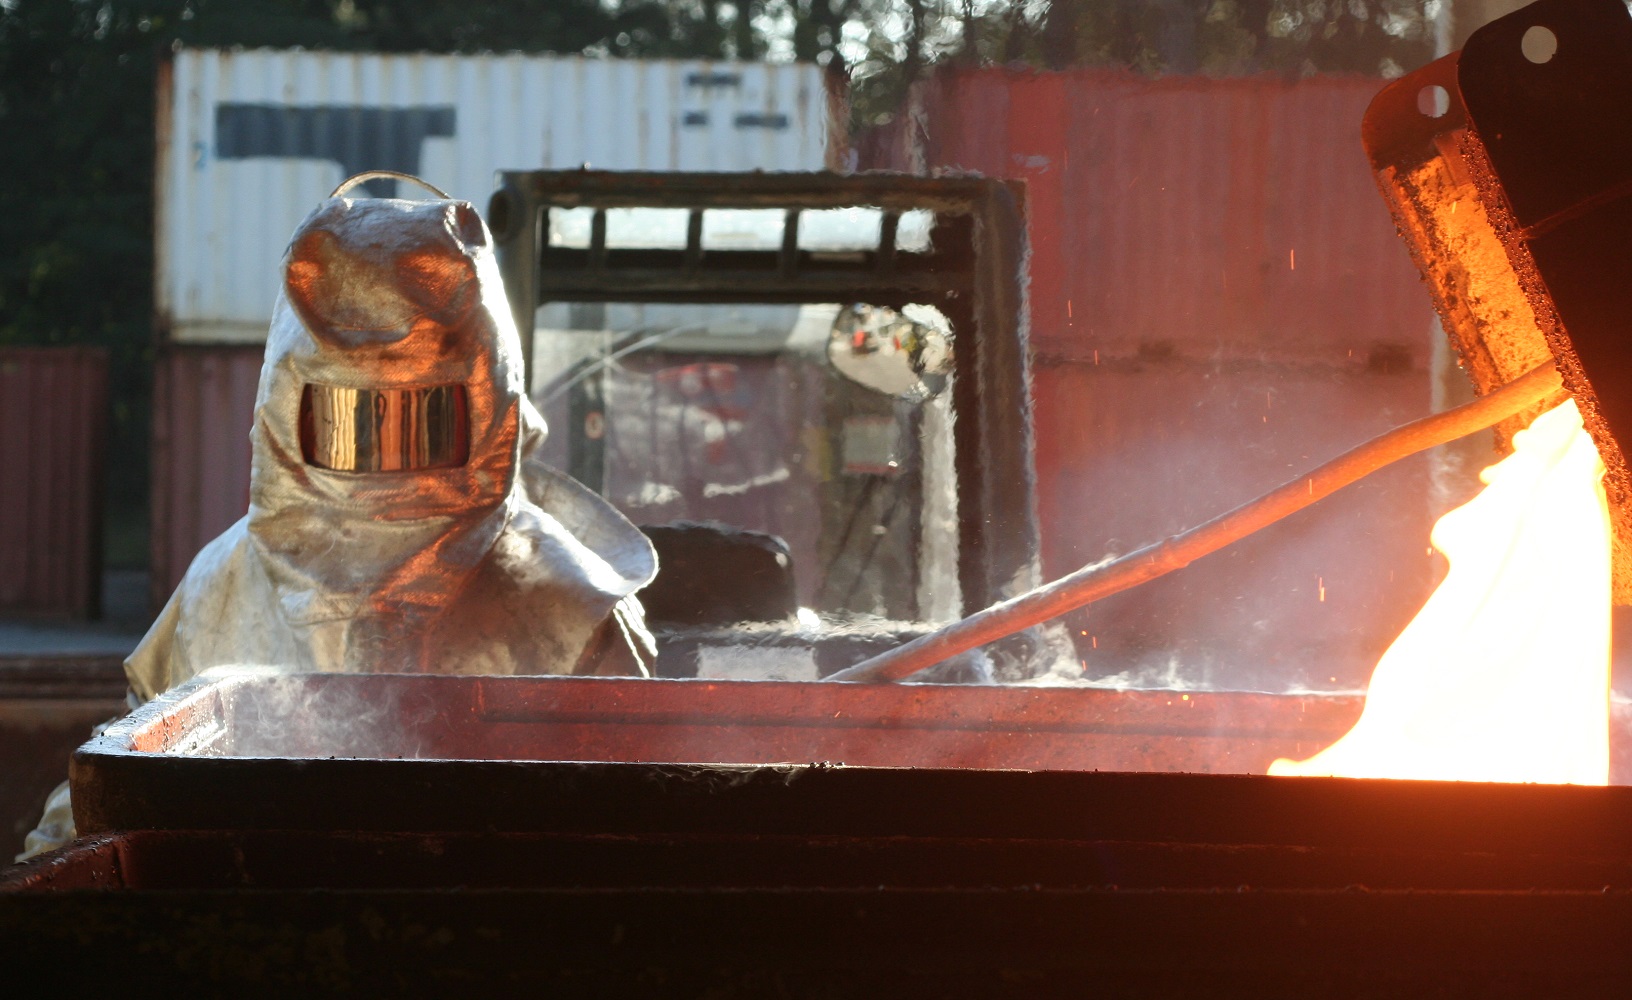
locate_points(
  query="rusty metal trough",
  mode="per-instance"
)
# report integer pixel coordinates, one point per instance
(257, 748)
(655, 838)
(606, 837)
(342, 834)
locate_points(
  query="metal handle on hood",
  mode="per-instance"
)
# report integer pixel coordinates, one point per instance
(395, 175)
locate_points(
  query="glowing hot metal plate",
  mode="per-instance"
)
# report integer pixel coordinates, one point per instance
(1508, 169)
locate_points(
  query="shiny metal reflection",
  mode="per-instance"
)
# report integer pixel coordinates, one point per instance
(384, 430)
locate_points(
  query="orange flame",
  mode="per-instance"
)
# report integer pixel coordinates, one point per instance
(1504, 673)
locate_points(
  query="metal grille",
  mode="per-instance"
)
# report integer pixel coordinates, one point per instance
(970, 267)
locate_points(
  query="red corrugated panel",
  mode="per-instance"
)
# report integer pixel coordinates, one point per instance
(53, 426)
(1218, 302)
(203, 405)
(1189, 215)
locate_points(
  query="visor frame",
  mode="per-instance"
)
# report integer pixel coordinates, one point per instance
(407, 429)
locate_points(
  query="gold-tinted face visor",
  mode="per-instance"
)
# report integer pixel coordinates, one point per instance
(384, 430)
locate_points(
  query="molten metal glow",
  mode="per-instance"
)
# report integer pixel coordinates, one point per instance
(1504, 673)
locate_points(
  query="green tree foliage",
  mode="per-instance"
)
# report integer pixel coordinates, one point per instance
(1152, 37)
(1238, 36)
(76, 153)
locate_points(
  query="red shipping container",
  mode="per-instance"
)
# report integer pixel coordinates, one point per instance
(1218, 301)
(53, 431)
(203, 407)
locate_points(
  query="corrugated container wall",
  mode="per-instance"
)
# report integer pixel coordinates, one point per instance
(53, 425)
(204, 403)
(1218, 301)
(250, 141)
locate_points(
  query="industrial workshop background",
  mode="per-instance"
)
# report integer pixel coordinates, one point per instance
(1203, 230)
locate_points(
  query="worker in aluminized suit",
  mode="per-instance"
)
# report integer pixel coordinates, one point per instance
(398, 519)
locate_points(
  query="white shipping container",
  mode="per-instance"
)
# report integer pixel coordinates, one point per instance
(249, 141)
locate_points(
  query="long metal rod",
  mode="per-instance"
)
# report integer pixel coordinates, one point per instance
(1091, 583)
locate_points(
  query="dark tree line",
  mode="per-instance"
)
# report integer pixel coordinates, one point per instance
(1212, 37)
